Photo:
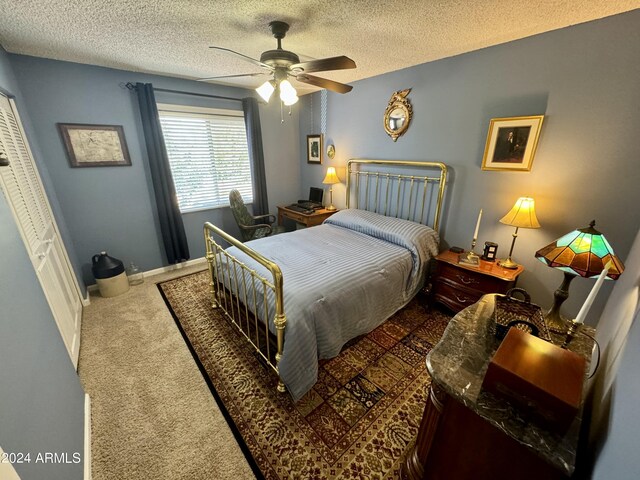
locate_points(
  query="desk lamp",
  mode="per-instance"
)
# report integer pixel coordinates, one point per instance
(583, 252)
(331, 179)
(522, 215)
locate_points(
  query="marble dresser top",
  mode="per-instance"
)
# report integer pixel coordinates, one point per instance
(458, 364)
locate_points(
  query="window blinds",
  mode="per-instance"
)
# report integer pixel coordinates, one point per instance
(209, 157)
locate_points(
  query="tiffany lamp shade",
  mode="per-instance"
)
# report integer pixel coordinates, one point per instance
(583, 252)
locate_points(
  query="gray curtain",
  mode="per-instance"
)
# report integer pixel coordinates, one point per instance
(171, 225)
(256, 155)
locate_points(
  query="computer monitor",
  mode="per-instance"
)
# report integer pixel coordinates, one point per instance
(316, 194)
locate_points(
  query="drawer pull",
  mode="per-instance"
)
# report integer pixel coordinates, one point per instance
(466, 280)
(461, 300)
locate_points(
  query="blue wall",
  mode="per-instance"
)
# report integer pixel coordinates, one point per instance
(616, 387)
(618, 458)
(584, 79)
(41, 400)
(113, 208)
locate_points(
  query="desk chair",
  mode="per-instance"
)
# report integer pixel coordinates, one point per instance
(250, 228)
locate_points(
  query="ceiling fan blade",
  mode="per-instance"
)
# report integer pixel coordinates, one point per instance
(324, 64)
(241, 55)
(231, 76)
(324, 83)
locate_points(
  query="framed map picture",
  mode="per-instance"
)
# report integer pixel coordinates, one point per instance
(95, 145)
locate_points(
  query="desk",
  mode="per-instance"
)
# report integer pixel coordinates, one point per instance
(307, 219)
(466, 432)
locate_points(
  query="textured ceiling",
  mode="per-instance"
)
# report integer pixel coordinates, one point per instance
(171, 36)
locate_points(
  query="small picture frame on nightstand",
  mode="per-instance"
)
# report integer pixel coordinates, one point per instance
(490, 251)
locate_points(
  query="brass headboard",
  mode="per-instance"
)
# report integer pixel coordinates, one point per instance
(396, 194)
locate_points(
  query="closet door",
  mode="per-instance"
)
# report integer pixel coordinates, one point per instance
(23, 189)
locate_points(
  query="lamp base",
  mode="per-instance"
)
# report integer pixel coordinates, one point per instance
(556, 322)
(331, 208)
(508, 263)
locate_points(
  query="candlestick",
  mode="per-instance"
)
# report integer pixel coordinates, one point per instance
(573, 329)
(592, 295)
(475, 234)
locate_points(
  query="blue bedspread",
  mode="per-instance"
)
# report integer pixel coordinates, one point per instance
(341, 279)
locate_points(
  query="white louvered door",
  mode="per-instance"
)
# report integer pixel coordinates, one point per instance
(24, 192)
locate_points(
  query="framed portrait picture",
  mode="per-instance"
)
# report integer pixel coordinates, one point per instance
(314, 149)
(511, 143)
(95, 145)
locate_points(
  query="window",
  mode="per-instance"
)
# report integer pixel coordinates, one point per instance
(208, 154)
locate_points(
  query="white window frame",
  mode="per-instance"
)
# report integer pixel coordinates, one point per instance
(207, 113)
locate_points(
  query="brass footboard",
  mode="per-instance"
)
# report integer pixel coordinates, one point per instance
(235, 287)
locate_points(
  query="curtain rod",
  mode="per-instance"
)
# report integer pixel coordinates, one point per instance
(132, 86)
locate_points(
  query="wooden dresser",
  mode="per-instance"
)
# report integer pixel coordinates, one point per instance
(467, 432)
(457, 285)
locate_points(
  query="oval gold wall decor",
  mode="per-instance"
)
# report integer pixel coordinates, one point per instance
(397, 116)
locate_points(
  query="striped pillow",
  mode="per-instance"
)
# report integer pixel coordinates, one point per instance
(421, 240)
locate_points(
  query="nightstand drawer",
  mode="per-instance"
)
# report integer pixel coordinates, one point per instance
(458, 286)
(472, 280)
(454, 298)
(462, 277)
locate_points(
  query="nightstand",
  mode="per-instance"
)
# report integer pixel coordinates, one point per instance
(457, 285)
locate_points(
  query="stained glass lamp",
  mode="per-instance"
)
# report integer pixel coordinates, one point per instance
(583, 252)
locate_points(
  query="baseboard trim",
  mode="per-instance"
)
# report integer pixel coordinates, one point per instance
(86, 301)
(177, 266)
(87, 437)
(157, 271)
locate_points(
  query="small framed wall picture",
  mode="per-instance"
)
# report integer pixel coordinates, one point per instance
(511, 143)
(95, 145)
(314, 149)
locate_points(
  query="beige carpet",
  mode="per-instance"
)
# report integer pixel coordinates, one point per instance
(153, 416)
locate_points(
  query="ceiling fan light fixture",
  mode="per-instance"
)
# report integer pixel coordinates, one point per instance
(290, 101)
(284, 63)
(288, 94)
(266, 90)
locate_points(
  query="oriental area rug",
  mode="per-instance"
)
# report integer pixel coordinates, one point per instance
(356, 422)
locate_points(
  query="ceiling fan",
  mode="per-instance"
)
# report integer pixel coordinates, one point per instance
(283, 64)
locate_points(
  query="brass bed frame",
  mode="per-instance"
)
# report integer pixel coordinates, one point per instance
(224, 267)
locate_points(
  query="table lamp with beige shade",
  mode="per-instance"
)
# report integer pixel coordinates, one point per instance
(522, 215)
(331, 178)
